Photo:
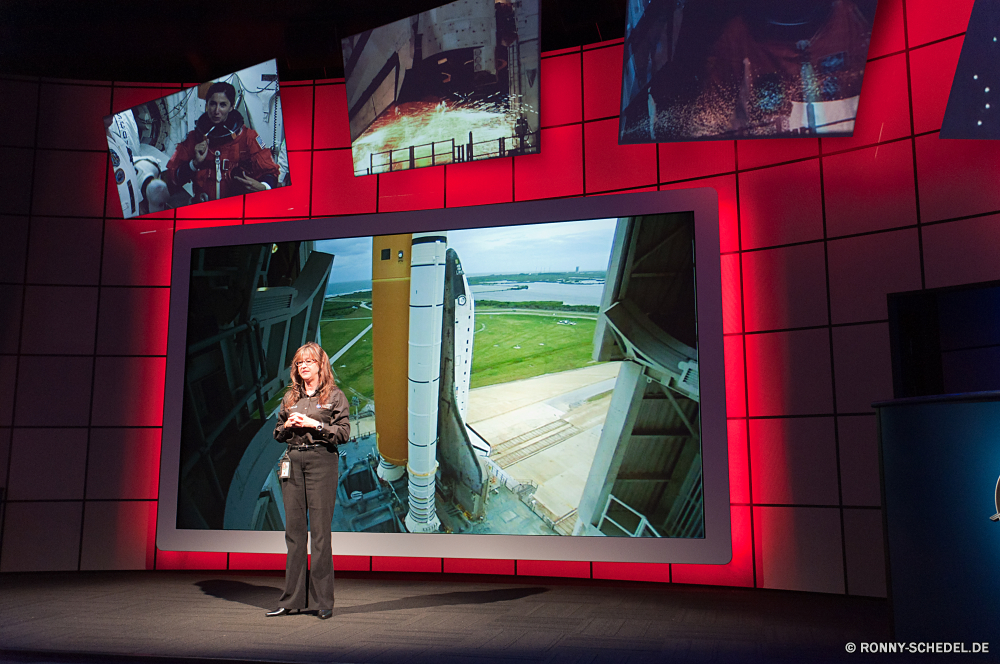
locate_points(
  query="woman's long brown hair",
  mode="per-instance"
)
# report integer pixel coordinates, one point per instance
(297, 390)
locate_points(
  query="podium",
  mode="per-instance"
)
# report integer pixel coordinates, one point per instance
(940, 462)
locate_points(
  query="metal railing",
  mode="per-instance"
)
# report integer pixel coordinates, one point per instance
(638, 531)
(687, 516)
(446, 152)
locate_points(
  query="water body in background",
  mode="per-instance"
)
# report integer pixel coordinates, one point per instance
(576, 293)
(546, 291)
(345, 287)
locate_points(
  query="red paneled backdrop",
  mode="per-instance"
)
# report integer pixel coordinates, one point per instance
(814, 233)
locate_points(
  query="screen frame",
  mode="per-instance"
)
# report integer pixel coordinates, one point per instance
(714, 548)
(278, 118)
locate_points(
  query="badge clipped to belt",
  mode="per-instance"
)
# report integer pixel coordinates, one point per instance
(285, 469)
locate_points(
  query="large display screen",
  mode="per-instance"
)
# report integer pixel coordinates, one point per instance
(971, 107)
(225, 137)
(452, 84)
(713, 70)
(575, 395)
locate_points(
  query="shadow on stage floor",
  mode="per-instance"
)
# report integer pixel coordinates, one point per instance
(263, 597)
(210, 617)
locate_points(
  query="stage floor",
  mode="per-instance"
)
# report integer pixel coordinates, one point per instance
(126, 617)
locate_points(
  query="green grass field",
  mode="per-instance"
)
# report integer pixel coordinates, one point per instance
(544, 347)
(354, 368)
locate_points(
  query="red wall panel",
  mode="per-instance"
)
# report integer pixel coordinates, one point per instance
(962, 252)
(556, 171)
(224, 208)
(257, 561)
(754, 153)
(352, 563)
(947, 192)
(864, 269)
(420, 189)
(483, 183)
(478, 566)
(196, 560)
(870, 190)
(725, 188)
(735, 381)
(735, 377)
(780, 205)
(884, 109)
(798, 548)
(19, 108)
(862, 366)
(788, 373)
(887, 32)
(602, 82)
(739, 471)
(123, 463)
(297, 114)
(561, 93)
(184, 224)
(331, 129)
(794, 461)
(130, 391)
(780, 201)
(61, 251)
(284, 201)
(58, 102)
(403, 564)
(684, 161)
(784, 287)
(65, 183)
(657, 572)
(129, 95)
(612, 166)
(570, 568)
(133, 321)
(932, 69)
(930, 20)
(17, 181)
(739, 571)
(732, 294)
(137, 252)
(336, 191)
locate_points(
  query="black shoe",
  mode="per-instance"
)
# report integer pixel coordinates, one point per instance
(325, 613)
(280, 611)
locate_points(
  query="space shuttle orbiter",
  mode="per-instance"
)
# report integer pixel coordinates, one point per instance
(438, 358)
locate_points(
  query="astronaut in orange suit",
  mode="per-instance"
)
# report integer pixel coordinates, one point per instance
(222, 156)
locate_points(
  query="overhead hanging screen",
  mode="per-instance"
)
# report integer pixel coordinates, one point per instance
(223, 138)
(453, 84)
(550, 379)
(708, 70)
(973, 108)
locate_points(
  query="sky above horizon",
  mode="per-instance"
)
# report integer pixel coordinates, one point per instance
(552, 247)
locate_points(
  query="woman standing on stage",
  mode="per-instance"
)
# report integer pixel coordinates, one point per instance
(313, 420)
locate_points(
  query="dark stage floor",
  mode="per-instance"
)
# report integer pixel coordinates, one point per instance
(153, 617)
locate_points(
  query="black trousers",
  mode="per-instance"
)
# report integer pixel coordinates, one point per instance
(311, 489)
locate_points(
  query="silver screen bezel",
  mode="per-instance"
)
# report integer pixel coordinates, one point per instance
(714, 548)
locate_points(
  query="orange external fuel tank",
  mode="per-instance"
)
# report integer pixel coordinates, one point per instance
(390, 336)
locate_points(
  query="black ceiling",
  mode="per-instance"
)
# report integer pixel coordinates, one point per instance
(183, 41)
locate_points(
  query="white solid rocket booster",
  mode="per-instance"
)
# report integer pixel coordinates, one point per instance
(427, 269)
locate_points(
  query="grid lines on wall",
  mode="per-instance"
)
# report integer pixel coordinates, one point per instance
(814, 233)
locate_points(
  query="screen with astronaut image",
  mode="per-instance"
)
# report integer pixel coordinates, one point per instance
(222, 138)
(723, 69)
(452, 84)
(563, 396)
